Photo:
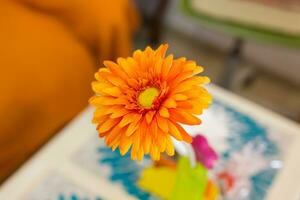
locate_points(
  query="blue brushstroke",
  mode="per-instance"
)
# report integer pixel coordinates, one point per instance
(250, 131)
(75, 197)
(125, 171)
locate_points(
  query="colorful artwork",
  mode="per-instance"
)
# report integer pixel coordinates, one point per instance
(250, 155)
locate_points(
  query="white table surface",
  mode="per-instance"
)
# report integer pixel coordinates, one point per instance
(54, 156)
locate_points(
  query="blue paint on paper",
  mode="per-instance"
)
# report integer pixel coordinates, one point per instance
(75, 197)
(125, 171)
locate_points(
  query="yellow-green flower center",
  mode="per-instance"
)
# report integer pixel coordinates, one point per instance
(147, 97)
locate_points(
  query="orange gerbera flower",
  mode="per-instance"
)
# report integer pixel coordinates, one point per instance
(142, 100)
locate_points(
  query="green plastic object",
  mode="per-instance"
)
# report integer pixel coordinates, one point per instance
(190, 182)
(241, 30)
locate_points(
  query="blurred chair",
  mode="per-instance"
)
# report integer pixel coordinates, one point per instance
(227, 16)
(152, 13)
(49, 52)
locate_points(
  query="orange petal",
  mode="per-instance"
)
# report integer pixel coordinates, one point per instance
(140, 154)
(164, 112)
(133, 154)
(135, 145)
(153, 128)
(195, 92)
(158, 66)
(189, 65)
(120, 101)
(154, 152)
(101, 111)
(119, 112)
(129, 65)
(115, 145)
(161, 51)
(161, 140)
(166, 66)
(107, 125)
(125, 144)
(170, 103)
(174, 131)
(149, 51)
(132, 128)
(149, 116)
(133, 83)
(188, 83)
(197, 70)
(198, 106)
(181, 116)
(163, 124)
(103, 134)
(128, 118)
(99, 119)
(179, 97)
(169, 146)
(113, 134)
(184, 105)
(147, 141)
(99, 86)
(136, 138)
(113, 91)
(101, 100)
(115, 69)
(185, 136)
(113, 79)
(176, 68)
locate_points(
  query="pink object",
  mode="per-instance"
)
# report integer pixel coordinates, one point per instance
(204, 152)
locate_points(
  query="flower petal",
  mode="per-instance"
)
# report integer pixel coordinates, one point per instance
(101, 100)
(116, 69)
(119, 112)
(181, 116)
(184, 105)
(169, 146)
(128, 118)
(132, 128)
(174, 131)
(114, 133)
(170, 103)
(188, 83)
(107, 125)
(164, 112)
(99, 86)
(161, 51)
(179, 97)
(140, 154)
(149, 116)
(129, 65)
(113, 91)
(163, 124)
(166, 66)
(113, 79)
(185, 136)
(125, 144)
(161, 140)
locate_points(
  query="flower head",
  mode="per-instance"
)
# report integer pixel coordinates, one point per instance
(142, 100)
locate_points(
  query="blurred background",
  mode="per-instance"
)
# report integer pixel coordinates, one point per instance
(50, 50)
